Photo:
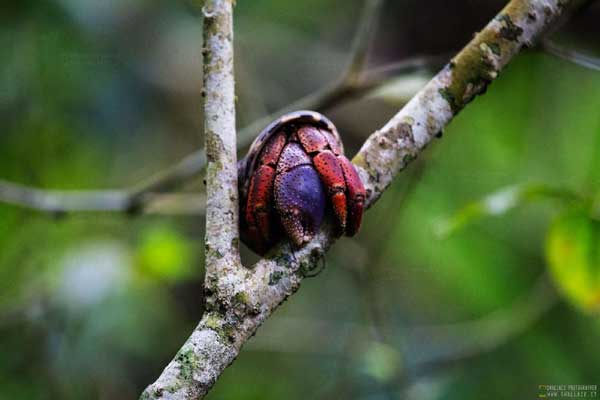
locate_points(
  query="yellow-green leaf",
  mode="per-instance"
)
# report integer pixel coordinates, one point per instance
(165, 253)
(573, 256)
(503, 201)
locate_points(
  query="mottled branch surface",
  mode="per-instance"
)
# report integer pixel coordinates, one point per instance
(467, 75)
(206, 353)
(222, 234)
(241, 299)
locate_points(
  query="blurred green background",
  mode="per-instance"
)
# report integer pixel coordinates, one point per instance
(431, 300)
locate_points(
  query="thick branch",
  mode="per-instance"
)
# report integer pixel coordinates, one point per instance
(192, 372)
(390, 149)
(222, 235)
(246, 303)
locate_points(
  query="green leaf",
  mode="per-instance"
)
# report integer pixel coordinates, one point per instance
(573, 257)
(503, 201)
(380, 361)
(165, 253)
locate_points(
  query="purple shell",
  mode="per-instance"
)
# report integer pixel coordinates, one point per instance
(300, 199)
(247, 164)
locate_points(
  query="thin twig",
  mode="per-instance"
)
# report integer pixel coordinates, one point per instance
(171, 177)
(365, 273)
(244, 301)
(136, 199)
(465, 340)
(60, 202)
(191, 165)
(363, 39)
(448, 343)
(332, 95)
(550, 46)
(350, 84)
(569, 54)
(446, 346)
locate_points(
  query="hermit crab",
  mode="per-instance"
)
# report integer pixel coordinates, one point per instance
(294, 172)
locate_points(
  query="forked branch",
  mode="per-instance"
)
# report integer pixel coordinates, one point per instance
(242, 299)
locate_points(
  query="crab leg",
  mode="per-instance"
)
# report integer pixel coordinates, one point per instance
(332, 175)
(260, 193)
(356, 196)
(326, 150)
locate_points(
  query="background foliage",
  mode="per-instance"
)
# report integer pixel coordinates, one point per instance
(442, 295)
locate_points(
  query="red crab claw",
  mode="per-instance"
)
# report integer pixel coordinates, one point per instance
(356, 196)
(318, 142)
(258, 216)
(344, 187)
(299, 196)
(332, 175)
(259, 233)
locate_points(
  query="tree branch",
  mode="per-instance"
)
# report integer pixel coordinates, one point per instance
(447, 344)
(146, 196)
(243, 300)
(198, 364)
(349, 85)
(574, 56)
(59, 202)
(222, 225)
(354, 82)
(393, 147)
(464, 341)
